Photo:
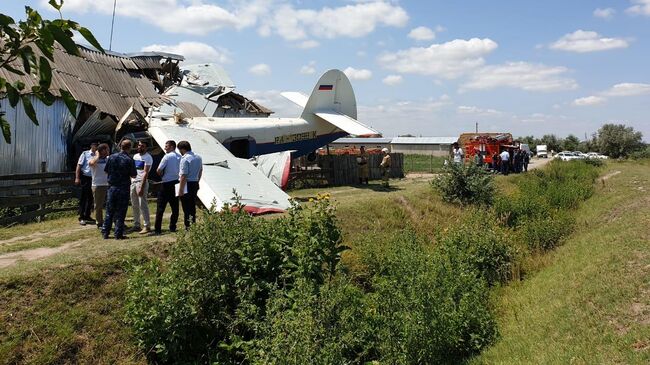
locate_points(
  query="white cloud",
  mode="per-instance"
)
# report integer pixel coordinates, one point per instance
(628, 89)
(586, 41)
(194, 52)
(392, 80)
(520, 75)
(261, 69)
(641, 7)
(308, 44)
(422, 34)
(473, 110)
(607, 13)
(589, 101)
(177, 16)
(358, 74)
(618, 90)
(354, 20)
(308, 69)
(448, 60)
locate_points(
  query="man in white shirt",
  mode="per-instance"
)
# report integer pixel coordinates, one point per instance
(140, 188)
(190, 173)
(99, 181)
(168, 170)
(457, 153)
(505, 162)
(83, 178)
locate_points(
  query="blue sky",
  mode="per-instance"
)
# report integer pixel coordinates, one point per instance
(430, 68)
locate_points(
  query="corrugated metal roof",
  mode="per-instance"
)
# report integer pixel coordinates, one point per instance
(362, 141)
(101, 80)
(424, 140)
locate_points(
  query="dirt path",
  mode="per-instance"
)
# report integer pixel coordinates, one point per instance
(37, 236)
(10, 259)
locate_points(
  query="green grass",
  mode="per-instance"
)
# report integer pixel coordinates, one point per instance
(587, 301)
(590, 301)
(423, 163)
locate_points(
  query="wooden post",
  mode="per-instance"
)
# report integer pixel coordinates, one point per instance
(42, 192)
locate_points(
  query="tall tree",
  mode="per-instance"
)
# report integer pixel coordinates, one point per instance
(570, 143)
(617, 140)
(551, 141)
(26, 49)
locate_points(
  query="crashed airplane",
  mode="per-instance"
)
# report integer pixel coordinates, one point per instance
(226, 144)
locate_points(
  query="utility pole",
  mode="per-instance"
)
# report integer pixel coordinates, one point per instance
(110, 43)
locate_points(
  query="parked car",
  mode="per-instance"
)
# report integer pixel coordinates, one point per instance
(596, 155)
(566, 156)
(580, 155)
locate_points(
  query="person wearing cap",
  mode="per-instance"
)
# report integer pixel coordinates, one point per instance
(362, 162)
(385, 167)
(84, 179)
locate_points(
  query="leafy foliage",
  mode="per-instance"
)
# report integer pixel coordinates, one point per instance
(465, 184)
(617, 140)
(27, 48)
(209, 300)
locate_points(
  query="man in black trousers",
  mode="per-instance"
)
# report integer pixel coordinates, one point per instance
(168, 170)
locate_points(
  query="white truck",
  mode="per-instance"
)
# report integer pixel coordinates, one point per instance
(541, 151)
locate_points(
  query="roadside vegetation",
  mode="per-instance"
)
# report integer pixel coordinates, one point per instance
(424, 281)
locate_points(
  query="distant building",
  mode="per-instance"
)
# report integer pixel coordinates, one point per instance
(430, 146)
(355, 143)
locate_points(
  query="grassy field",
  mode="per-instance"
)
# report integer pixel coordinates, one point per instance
(422, 163)
(588, 303)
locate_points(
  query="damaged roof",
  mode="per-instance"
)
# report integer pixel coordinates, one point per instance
(110, 83)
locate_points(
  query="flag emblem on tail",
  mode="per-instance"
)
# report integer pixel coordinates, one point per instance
(325, 87)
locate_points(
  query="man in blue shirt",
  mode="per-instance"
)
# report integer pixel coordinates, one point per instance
(83, 178)
(168, 170)
(120, 169)
(191, 169)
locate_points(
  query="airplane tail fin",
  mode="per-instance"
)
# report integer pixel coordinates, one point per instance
(333, 100)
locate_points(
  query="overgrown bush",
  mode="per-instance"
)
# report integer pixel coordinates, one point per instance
(207, 302)
(465, 184)
(425, 307)
(544, 233)
(481, 243)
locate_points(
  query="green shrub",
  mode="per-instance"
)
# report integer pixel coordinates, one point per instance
(314, 325)
(545, 233)
(482, 244)
(207, 302)
(465, 184)
(425, 307)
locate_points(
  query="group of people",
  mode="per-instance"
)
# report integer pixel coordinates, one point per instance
(512, 160)
(364, 168)
(515, 161)
(114, 180)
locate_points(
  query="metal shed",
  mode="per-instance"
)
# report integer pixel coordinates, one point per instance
(430, 146)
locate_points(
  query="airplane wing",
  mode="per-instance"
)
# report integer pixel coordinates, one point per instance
(297, 98)
(344, 122)
(223, 173)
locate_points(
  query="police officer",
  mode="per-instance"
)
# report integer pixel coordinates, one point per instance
(120, 169)
(191, 169)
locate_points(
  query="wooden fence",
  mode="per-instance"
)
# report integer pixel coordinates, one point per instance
(343, 170)
(34, 192)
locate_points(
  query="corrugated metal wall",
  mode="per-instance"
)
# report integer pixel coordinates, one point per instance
(31, 144)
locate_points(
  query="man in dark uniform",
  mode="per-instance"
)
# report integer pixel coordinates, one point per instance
(120, 169)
